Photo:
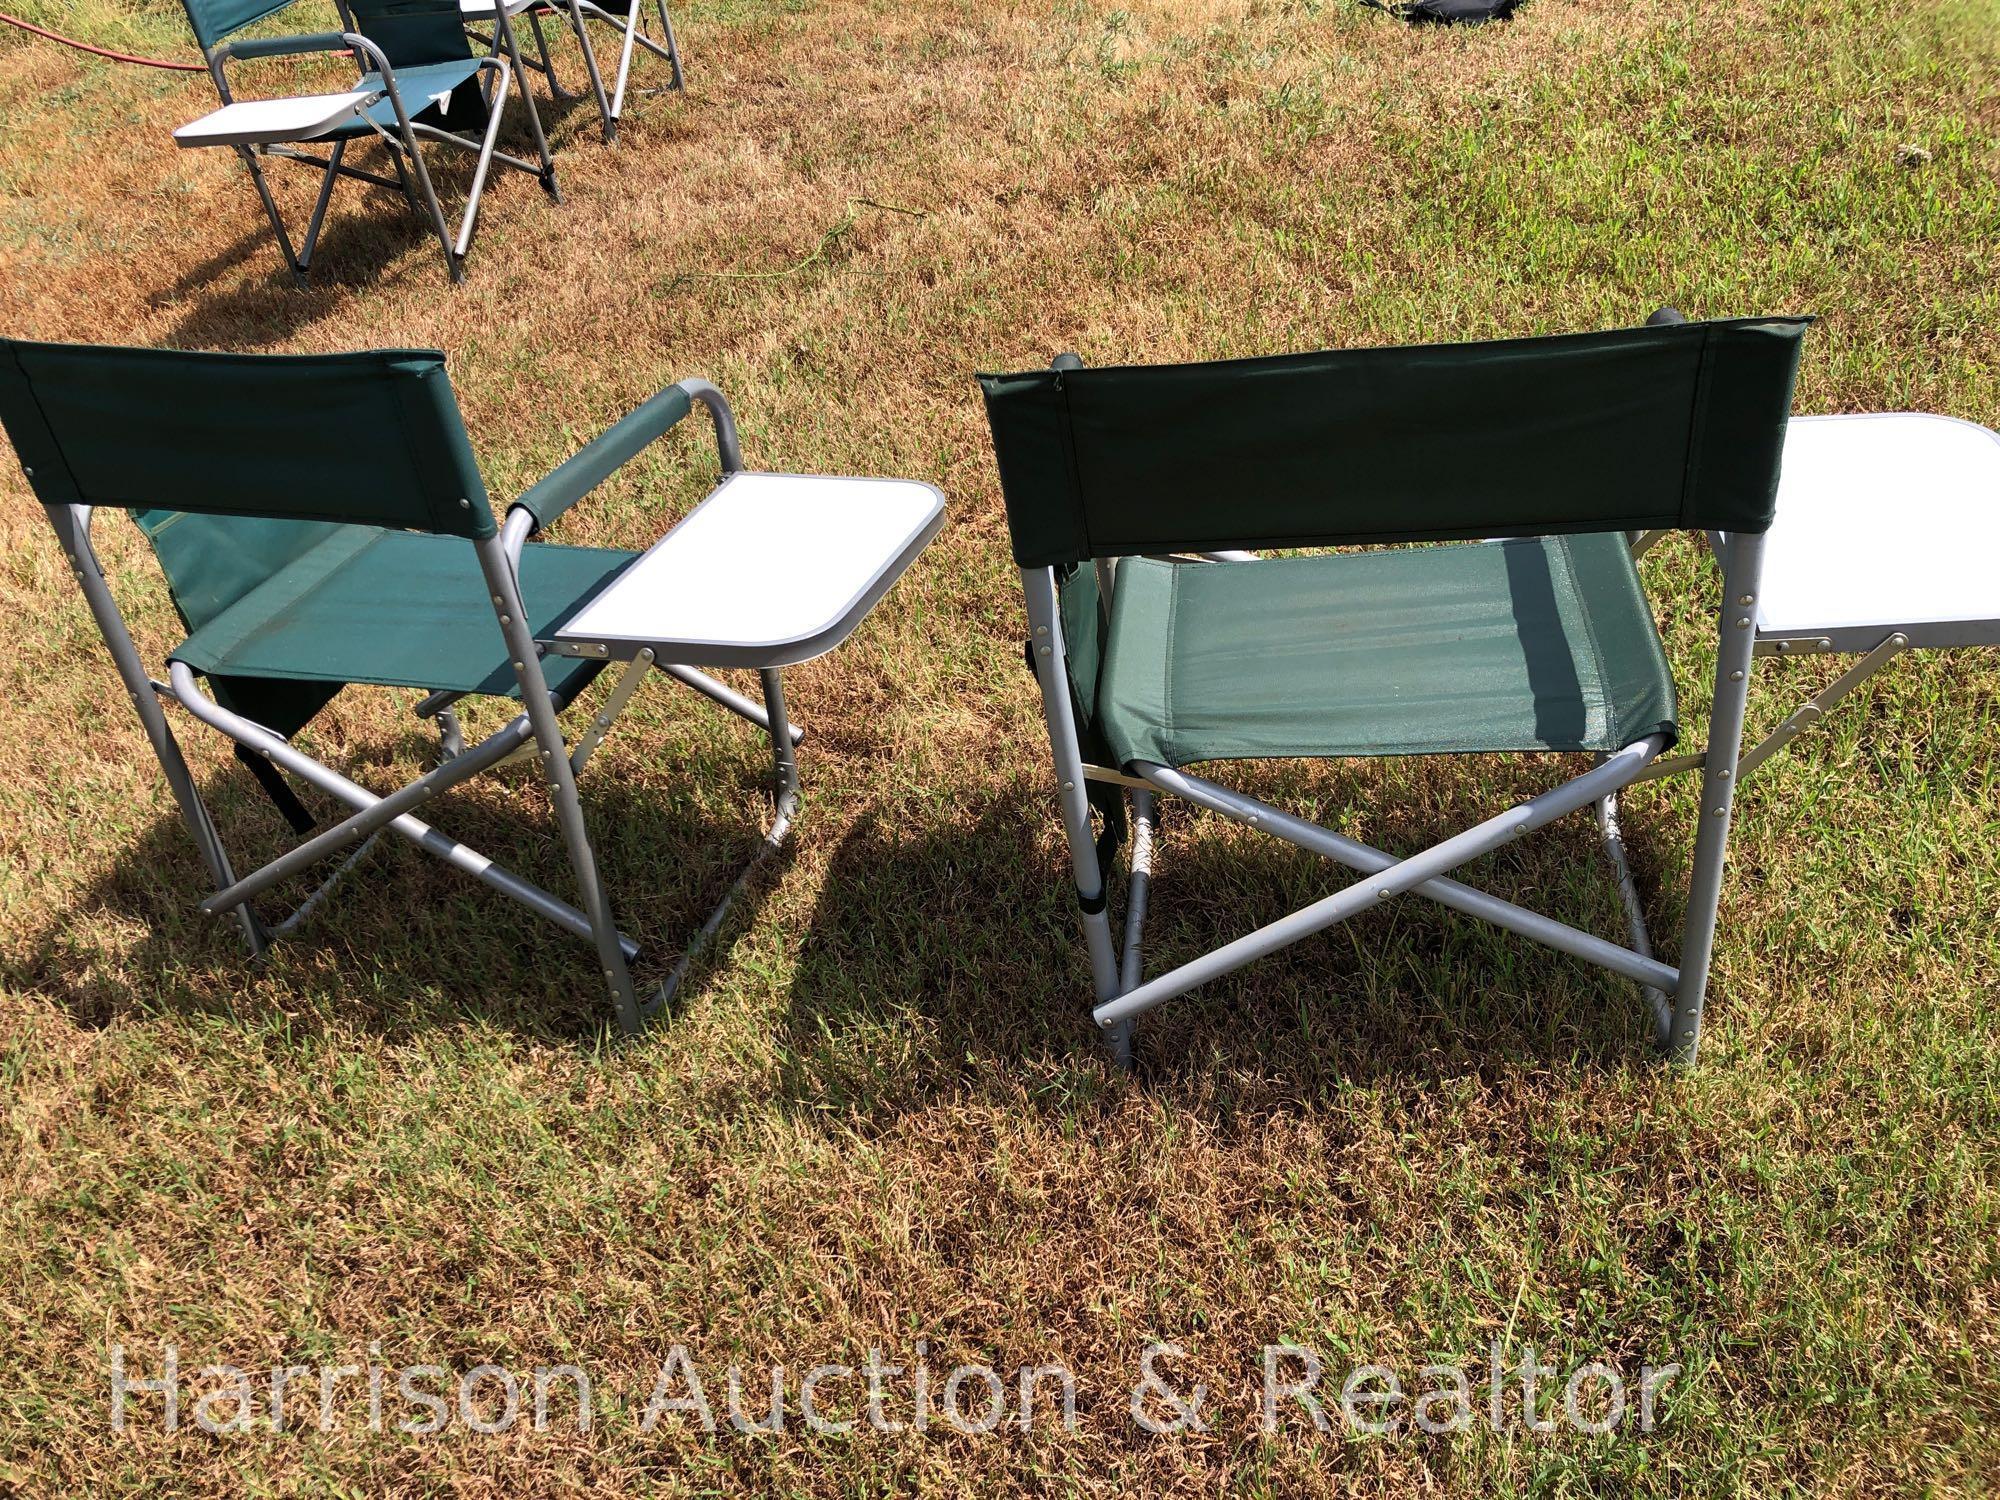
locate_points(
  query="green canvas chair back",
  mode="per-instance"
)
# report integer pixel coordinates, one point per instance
(1643, 428)
(371, 438)
(236, 466)
(216, 21)
(413, 33)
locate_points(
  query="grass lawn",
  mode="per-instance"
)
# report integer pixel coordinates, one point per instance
(879, 1116)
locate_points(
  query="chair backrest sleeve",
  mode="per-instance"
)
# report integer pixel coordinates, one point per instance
(412, 33)
(371, 438)
(1675, 426)
(215, 20)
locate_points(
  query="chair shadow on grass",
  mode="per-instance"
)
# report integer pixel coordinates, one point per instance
(403, 943)
(937, 956)
(243, 296)
(942, 953)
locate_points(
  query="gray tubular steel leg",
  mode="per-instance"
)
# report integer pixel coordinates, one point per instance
(1446, 892)
(785, 769)
(1052, 672)
(677, 82)
(601, 722)
(729, 698)
(625, 57)
(561, 781)
(557, 92)
(1404, 875)
(325, 888)
(277, 219)
(451, 734)
(1742, 575)
(426, 196)
(606, 115)
(504, 33)
(1132, 968)
(1635, 914)
(72, 528)
(634, 35)
(469, 221)
(189, 695)
(313, 225)
(370, 819)
(1814, 708)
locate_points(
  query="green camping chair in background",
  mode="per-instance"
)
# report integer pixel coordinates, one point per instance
(321, 521)
(419, 81)
(1558, 453)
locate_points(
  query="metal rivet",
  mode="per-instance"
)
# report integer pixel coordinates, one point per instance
(1744, 623)
(1747, 599)
(1069, 786)
(506, 620)
(28, 472)
(1724, 775)
(1783, 647)
(1041, 630)
(1735, 676)
(498, 600)
(463, 503)
(517, 666)
(1383, 894)
(1041, 650)
(1716, 812)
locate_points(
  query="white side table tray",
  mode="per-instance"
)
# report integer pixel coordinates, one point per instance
(1887, 539)
(769, 571)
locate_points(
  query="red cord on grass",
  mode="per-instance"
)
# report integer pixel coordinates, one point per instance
(124, 57)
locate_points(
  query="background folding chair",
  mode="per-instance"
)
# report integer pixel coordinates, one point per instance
(419, 81)
(1539, 639)
(297, 576)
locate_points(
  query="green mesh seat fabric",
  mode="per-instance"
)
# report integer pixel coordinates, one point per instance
(1542, 643)
(394, 609)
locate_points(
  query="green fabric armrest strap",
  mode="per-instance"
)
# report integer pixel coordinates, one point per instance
(285, 46)
(604, 455)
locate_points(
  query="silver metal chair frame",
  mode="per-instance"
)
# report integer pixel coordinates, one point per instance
(1675, 993)
(536, 730)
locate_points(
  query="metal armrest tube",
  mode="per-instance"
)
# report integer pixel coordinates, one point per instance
(601, 457)
(727, 449)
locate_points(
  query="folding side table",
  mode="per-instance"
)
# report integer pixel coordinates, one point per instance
(1887, 539)
(769, 571)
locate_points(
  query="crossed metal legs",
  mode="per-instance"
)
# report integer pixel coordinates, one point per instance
(1122, 993)
(413, 178)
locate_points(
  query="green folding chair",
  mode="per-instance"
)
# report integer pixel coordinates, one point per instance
(321, 521)
(418, 81)
(1556, 452)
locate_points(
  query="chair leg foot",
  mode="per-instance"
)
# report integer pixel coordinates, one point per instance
(1118, 1043)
